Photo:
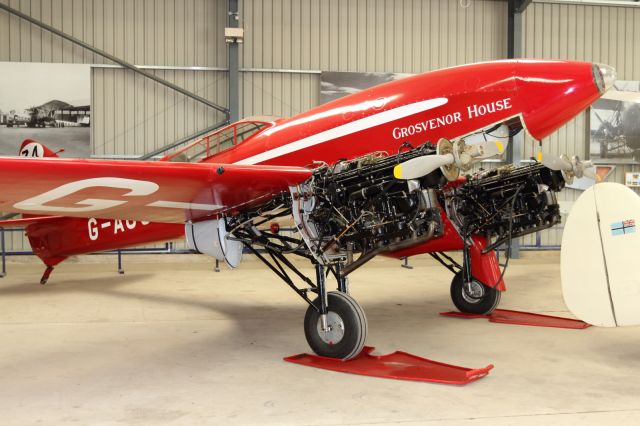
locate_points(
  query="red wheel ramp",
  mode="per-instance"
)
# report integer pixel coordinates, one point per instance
(506, 316)
(397, 365)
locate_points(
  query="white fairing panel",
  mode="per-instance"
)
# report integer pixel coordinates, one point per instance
(210, 237)
(600, 246)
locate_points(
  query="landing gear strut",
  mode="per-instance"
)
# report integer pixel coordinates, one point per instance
(335, 325)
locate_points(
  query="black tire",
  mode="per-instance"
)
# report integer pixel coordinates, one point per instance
(483, 302)
(344, 310)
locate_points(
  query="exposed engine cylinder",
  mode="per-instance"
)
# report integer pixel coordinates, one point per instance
(506, 202)
(349, 212)
(359, 207)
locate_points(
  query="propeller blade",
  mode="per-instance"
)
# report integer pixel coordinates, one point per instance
(486, 149)
(421, 166)
(621, 95)
(574, 167)
(556, 163)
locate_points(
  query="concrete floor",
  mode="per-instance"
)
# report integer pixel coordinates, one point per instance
(172, 342)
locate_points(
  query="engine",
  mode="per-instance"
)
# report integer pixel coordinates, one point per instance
(506, 202)
(359, 207)
(349, 212)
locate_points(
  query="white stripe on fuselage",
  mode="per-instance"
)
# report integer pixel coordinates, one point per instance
(347, 129)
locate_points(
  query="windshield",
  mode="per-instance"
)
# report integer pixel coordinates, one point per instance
(217, 141)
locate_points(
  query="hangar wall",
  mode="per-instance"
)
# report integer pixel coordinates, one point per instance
(297, 39)
(144, 32)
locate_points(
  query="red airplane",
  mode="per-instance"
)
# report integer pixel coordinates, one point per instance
(359, 176)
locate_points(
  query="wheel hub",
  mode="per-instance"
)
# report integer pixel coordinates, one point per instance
(472, 292)
(335, 329)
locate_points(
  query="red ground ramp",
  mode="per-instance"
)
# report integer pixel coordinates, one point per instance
(506, 316)
(397, 365)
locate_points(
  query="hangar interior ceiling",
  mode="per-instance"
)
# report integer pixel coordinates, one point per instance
(286, 45)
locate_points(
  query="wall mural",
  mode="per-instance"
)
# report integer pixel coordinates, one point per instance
(49, 103)
(334, 85)
(615, 128)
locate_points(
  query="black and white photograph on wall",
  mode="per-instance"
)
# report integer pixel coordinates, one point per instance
(615, 125)
(334, 85)
(49, 103)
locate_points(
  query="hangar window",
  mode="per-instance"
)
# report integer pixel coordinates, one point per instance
(218, 141)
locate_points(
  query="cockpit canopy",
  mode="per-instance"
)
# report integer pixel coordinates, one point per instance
(221, 139)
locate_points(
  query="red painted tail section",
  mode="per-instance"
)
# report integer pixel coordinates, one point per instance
(32, 148)
(55, 240)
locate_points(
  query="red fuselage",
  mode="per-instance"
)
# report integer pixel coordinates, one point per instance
(448, 103)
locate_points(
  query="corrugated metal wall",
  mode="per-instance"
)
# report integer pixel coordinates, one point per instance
(143, 32)
(408, 36)
(371, 35)
(133, 115)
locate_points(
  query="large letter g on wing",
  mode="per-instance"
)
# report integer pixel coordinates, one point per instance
(135, 187)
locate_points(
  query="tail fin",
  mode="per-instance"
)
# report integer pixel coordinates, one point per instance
(31, 148)
(600, 247)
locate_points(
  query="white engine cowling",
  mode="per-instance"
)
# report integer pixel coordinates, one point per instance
(210, 237)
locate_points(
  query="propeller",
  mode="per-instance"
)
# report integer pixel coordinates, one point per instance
(449, 157)
(570, 167)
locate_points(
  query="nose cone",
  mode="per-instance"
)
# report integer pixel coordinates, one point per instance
(554, 92)
(604, 76)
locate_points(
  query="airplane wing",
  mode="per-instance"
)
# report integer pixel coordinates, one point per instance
(137, 190)
(26, 221)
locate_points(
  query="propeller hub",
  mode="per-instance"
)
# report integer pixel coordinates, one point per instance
(604, 76)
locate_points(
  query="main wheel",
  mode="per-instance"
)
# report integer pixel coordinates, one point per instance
(479, 299)
(347, 327)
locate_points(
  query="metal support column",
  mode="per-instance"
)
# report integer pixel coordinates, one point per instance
(4, 259)
(234, 92)
(120, 269)
(514, 50)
